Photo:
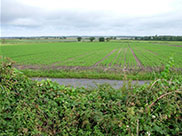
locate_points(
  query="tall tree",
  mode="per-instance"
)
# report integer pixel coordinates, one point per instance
(92, 39)
(101, 39)
(79, 38)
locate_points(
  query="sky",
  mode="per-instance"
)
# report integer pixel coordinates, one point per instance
(91, 17)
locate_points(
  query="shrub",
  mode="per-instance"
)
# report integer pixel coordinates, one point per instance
(45, 108)
(92, 39)
(101, 39)
(108, 39)
(79, 38)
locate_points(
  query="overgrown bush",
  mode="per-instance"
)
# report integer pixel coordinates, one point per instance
(92, 39)
(79, 38)
(45, 108)
(101, 39)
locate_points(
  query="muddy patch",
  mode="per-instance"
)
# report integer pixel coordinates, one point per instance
(99, 69)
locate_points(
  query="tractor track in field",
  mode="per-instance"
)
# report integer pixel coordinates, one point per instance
(154, 53)
(105, 57)
(126, 49)
(115, 57)
(33, 67)
(69, 59)
(118, 64)
(176, 45)
(28, 55)
(173, 45)
(137, 60)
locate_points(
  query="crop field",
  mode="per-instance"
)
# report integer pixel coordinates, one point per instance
(120, 54)
(114, 57)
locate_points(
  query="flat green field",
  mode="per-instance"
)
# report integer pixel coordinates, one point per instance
(115, 56)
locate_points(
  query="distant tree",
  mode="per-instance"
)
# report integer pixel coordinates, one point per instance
(101, 39)
(79, 38)
(162, 38)
(108, 39)
(114, 38)
(3, 41)
(92, 39)
(64, 37)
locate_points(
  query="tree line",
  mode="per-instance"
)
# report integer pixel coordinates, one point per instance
(101, 39)
(160, 38)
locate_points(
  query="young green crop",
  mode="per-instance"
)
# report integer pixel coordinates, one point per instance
(51, 54)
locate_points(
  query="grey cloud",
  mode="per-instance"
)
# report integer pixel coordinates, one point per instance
(19, 19)
(13, 12)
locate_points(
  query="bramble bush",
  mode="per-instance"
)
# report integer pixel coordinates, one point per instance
(45, 108)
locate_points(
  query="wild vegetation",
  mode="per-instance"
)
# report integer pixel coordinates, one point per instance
(45, 108)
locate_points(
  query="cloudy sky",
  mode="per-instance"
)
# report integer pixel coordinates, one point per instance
(90, 17)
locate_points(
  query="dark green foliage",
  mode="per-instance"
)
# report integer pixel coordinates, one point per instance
(108, 39)
(101, 39)
(45, 108)
(160, 38)
(79, 38)
(3, 41)
(92, 39)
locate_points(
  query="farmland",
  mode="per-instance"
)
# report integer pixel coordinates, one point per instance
(91, 57)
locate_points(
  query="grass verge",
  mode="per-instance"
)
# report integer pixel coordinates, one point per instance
(95, 74)
(88, 74)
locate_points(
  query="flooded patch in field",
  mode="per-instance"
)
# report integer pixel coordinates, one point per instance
(91, 82)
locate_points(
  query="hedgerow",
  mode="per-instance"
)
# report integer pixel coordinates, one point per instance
(45, 108)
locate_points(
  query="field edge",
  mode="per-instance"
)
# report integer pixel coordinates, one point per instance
(94, 74)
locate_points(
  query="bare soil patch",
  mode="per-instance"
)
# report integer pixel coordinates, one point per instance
(116, 69)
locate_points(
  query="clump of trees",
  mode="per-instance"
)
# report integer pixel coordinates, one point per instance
(114, 38)
(101, 39)
(3, 41)
(62, 37)
(108, 39)
(79, 38)
(92, 39)
(160, 38)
